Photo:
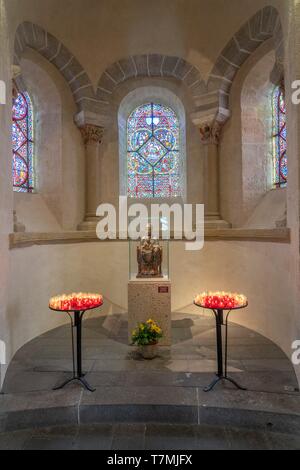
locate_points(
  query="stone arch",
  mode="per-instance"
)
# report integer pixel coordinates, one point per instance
(264, 25)
(150, 65)
(33, 36)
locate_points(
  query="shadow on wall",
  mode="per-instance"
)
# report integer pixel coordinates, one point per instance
(2, 360)
(270, 212)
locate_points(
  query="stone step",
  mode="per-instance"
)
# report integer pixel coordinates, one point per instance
(173, 405)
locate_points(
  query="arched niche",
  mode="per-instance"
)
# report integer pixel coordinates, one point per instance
(264, 206)
(58, 200)
(113, 166)
(246, 147)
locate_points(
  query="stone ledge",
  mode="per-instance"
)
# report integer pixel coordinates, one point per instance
(24, 239)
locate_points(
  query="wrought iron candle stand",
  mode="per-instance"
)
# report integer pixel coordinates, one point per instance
(222, 365)
(76, 323)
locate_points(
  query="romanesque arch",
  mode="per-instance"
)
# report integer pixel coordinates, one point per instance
(35, 37)
(149, 65)
(264, 25)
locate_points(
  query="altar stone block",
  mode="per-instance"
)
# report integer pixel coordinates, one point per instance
(150, 298)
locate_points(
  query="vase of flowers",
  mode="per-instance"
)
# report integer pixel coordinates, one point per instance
(146, 336)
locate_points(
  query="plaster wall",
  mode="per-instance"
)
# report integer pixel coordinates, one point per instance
(271, 210)
(262, 271)
(101, 32)
(257, 132)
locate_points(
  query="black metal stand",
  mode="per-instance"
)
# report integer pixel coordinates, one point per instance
(222, 368)
(78, 376)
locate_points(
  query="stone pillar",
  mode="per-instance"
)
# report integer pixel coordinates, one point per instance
(92, 137)
(209, 120)
(210, 135)
(91, 126)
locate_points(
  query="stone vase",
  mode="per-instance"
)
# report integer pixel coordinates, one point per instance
(149, 351)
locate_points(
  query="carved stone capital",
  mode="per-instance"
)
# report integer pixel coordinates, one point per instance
(210, 122)
(92, 134)
(210, 133)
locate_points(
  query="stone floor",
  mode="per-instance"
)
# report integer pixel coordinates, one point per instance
(168, 389)
(191, 361)
(146, 437)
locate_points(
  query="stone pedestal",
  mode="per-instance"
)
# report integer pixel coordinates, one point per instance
(150, 298)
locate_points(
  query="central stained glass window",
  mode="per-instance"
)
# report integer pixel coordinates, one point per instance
(22, 141)
(153, 156)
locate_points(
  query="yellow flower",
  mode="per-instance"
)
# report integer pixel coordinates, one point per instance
(150, 321)
(156, 329)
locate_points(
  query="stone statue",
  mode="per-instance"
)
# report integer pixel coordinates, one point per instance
(149, 256)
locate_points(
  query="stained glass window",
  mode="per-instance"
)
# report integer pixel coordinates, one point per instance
(280, 168)
(153, 157)
(22, 141)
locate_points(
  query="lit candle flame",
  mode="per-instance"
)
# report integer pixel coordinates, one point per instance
(76, 301)
(221, 300)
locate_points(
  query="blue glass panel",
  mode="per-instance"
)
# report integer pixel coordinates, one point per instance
(22, 144)
(153, 152)
(280, 168)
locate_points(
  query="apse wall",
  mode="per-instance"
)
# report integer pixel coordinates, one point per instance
(266, 272)
(261, 270)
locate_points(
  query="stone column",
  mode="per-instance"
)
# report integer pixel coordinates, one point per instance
(210, 135)
(92, 137)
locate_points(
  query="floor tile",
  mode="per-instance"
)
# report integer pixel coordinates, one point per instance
(128, 437)
(14, 440)
(94, 437)
(247, 440)
(170, 437)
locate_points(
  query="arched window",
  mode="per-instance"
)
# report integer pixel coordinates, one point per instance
(153, 153)
(280, 168)
(22, 140)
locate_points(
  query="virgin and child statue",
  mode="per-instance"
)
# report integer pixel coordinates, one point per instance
(149, 256)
